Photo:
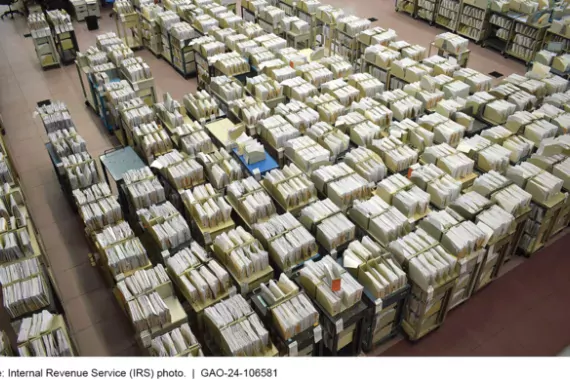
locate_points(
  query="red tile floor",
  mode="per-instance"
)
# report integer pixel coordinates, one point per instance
(524, 312)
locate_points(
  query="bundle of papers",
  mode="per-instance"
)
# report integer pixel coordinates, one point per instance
(135, 112)
(250, 110)
(258, 55)
(398, 191)
(298, 114)
(445, 130)
(207, 46)
(231, 64)
(428, 264)
(276, 130)
(124, 252)
(476, 81)
(382, 221)
(250, 29)
(542, 185)
(135, 69)
(451, 43)
(340, 90)
(373, 111)
(298, 88)
(251, 200)
(497, 220)
(287, 241)
(201, 105)
(331, 138)
(143, 188)
(306, 153)
(271, 42)
(330, 285)
(490, 182)
(100, 213)
(410, 132)
(19, 271)
(55, 116)
(201, 283)
(80, 169)
(512, 199)
(395, 154)
(290, 186)
(264, 88)
(226, 88)
(241, 253)
(221, 167)
(66, 142)
(539, 130)
(461, 238)
(339, 66)
(15, 245)
(332, 228)
(142, 281)
(181, 171)
(366, 84)
(177, 342)
(470, 204)
(341, 184)
(169, 228)
(193, 139)
(401, 104)
(294, 315)
(442, 188)
(26, 296)
(276, 292)
(251, 149)
(366, 163)
(328, 107)
(152, 139)
(37, 336)
(381, 56)
(188, 258)
(314, 73)
(555, 83)
(562, 171)
(168, 111)
(207, 206)
(237, 327)
(91, 194)
(520, 119)
(148, 311)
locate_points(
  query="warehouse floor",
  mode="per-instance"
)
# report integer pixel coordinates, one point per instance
(525, 312)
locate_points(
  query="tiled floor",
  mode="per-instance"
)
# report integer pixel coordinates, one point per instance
(528, 303)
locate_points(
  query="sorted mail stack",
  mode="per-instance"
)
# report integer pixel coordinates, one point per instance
(400, 192)
(290, 187)
(341, 184)
(298, 114)
(442, 188)
(98, 208)
(454, 163)
(489, 156)
(180, 342)
(181, 171)
(250, 201)
(298, 88)
(476, 81)
(244, 257)
(328, 107)
(427, 95)
(384, 223)
(169, 112)
(444, 129)
(192, 139)
(250, 110)
(265, 89)
(288, 242)
(292, 319)
(151, 141)
(373, 111)
(166, 226)
(513, 94)
(362, 131)
(341, 91)
(233, 329)
(143, 188)
(201, 280)
(66, 142)
(121, 252)
(201, 106)
(410, 132)
(547, 203)
(519, 146)
(432, 273)
(397, 156)
(331, 227)
(367, 84)
(306, 153)
(250, 150)
(329, 137)
(221, 168)
(339, 66)
(44, 334)
(386, 288)
(44, 43)
(378, 60)
(80, 170)
(55, 116)
(366, 163)
(406, 71)
(276, 131)
(231, 64)
(402, 105)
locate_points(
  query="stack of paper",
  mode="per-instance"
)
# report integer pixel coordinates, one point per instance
(298, 89)
(143, 188)
(66, 142)
(331, 227)
(401, 104)
(152, 139)
(207, 206)
(476, 80)
(314, 73)
(542, 185)
(366, 84)
(226, 88)
(470, 204)
(444, 129)
(250, 110)
(124, 251)
(341, 184)
(340, 90)
(180, 170)
(442, 188)
(383, 222)
(19, 271)
(290, 186)
(177, 342)
(250, 200)
(361, 131)
(100, 213)
(193, 139)
(331, 138)
(395, 154)
(168, 227)
(26, 296)
(148, 311)
(330, 285)
(306, 153)
(398, 191)
(366, 163)
(80, 169)
(221, 168)
(298, 114)
(264, 88)
(339, 66)
(201, 105)
(276, 130)
(230, 64)
(39, 337)
(143, 281)
(287, 241)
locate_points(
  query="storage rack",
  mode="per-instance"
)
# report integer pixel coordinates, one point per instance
(317, 38)
(407, 6)
(551, 36)
(129, 29)
(179, 52)
(448, 14)
(66, 45)
(150, 35)
(426, 10)
(544, 214)
(499, 32)
(525, 29)
(472, 20)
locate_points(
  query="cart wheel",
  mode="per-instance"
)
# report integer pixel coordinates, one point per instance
(87, 103)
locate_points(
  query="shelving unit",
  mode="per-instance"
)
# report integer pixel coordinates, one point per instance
(448, 14)
(499, 32)
(129, 29)
(426, 10)
(150, 34)
(526, 39)
(182, 56)
(472, 21)
(407, 6)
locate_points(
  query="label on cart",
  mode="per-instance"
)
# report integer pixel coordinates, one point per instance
(318, 333)
(430, 292)
(339, 325)
(379, 305)
(293, 349)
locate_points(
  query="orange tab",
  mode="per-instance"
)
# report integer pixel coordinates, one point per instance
(335, 285)
(410, 170)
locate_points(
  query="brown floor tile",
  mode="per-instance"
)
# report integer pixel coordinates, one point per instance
(79, 280)
(91, 308)
(106, 338)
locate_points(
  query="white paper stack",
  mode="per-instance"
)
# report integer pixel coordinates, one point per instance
(400, 192)
(401, 104)
(366, 84)
(231, 64)
(428, 264)
(298, 114)
(470, 204)
(290, 186)
(250, 110)
(152, 139)
(497, 220)
(28, 295)
(340, 66)
(80, 169)
(321, 280)
(287, 241)
(250, 200)
(361, 130)
(306, 153)
(207, 206)
(562, 171)
(143, 187)
(383, 222)
(276, 130)
(366, 163)
(193, 139)
(66, 142)
(143, 281)
(221, 168)
(180, 170)
(237, 328)
(340, 90)
(442, 188)
(395, 154)
(264, 88)
(542, 185)
(149, 311)
(341, 184)
(476, 80)
(520, 119)
(331, 227)
(41, 335)
(410, 132)
(100, 212)
(169, 111)
(242, 254)
(55, 116)
(329, 137)
(540, 130)
(226, 88)
(168, 227)
(201, 105)
(19, 271)
(177, 342)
